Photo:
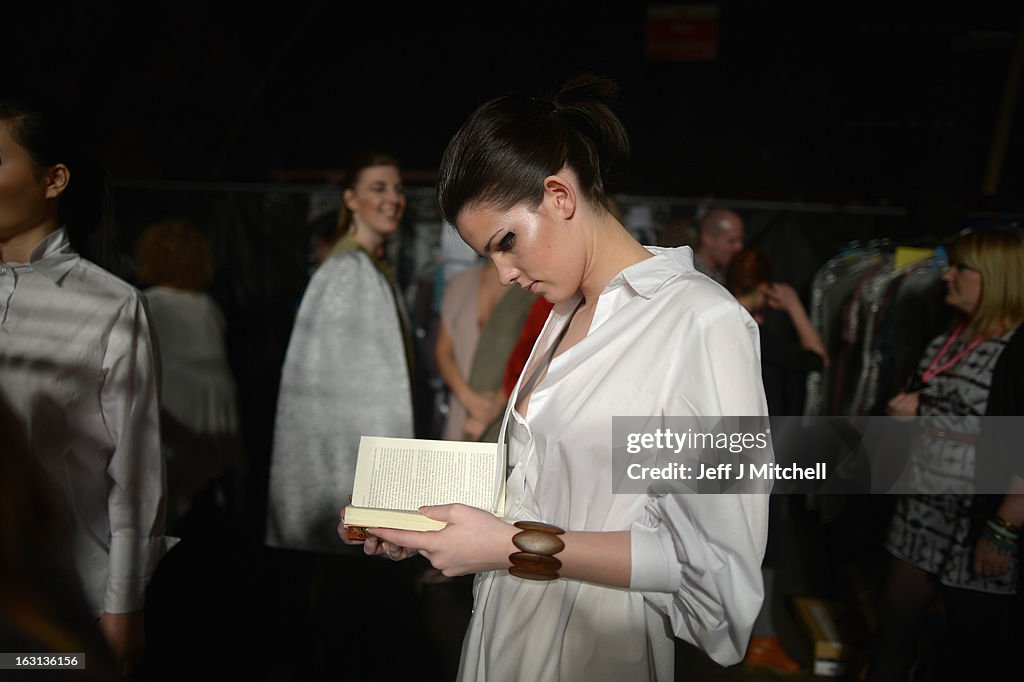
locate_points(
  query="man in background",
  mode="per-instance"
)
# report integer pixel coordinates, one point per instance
(720, 238)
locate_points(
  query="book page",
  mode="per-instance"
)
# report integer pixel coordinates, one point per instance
(359, 518)
(406, 473)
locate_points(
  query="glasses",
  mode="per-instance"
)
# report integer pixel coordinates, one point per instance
(959, 265)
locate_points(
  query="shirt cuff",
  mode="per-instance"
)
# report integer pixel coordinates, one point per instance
(133, 561)
(654, 566)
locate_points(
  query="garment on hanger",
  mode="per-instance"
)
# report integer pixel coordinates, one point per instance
(831, 286)
(876, 310)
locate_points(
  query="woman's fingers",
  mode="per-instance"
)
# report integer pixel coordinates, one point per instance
(990, 560)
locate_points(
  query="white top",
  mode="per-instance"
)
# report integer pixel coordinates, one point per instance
(198, 398)
(197, 387)
(77, 367)
(665, 341)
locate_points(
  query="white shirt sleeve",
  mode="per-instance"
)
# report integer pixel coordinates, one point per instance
(697, 557)
(137, 487)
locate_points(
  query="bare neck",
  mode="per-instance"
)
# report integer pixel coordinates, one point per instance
(612, 250)
(18, 248)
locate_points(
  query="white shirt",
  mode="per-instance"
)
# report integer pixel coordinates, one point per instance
(77, 367)
(198, 398)
(197, 387)
(664, 341)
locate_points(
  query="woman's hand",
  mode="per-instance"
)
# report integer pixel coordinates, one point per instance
(372, 545)
(485, 407)
(991, 560)
(903, 406)
(473, 428)
(472, 542)
(782, 296)
(126, 635)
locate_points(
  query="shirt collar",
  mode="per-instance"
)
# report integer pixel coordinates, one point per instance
(647, 276)
(54, 257)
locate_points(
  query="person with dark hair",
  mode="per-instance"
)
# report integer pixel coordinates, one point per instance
(785, 362)
(480, 323)
(939, 549)
(346, 374)
(719, 239)
(77, 366)
(198, 397)
(636, 331)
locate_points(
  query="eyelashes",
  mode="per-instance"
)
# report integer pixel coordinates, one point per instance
(507, 241)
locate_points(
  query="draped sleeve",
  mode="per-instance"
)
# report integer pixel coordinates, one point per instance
(697, 556)
(136, 500)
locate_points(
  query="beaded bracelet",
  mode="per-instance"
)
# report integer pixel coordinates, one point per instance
(994, 527)
(538, 543)
(1000, 541)
(1004, 524)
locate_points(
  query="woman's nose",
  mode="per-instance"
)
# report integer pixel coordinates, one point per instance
(507, 273)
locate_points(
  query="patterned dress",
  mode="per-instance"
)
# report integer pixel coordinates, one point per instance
(932, 530)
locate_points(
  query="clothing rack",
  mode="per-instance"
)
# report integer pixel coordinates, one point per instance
(876, 303)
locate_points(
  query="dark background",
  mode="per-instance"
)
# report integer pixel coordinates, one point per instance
(821, 124)
(857, 104)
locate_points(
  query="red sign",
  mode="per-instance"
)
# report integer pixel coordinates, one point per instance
(682, 33)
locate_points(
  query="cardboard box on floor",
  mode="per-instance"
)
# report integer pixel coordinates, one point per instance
(824, 624)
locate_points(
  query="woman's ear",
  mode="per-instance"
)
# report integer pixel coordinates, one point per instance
(349, 197)
(57, 178)
(560, 196)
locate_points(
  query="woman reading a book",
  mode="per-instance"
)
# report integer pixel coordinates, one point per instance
(634, 331)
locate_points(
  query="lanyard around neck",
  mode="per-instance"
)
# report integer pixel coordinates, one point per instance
(933, 372)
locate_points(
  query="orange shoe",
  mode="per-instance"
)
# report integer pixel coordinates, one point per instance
(767, 652)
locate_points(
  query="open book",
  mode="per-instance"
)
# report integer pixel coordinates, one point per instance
(396, 476)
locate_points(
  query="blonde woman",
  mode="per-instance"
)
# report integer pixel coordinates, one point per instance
(937, 548)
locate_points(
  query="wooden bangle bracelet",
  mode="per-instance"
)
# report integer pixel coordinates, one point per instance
(538, 542)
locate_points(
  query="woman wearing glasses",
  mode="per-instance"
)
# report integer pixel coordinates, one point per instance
(946, 540)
